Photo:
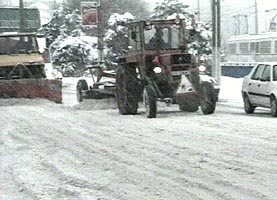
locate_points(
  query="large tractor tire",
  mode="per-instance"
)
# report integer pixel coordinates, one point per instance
(126, 90)
(248, 107)
(208, 99)
(150, 102)
(273, 106)
(81, 85)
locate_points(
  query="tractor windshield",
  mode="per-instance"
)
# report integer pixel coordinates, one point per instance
(159, 38)
(18, 45)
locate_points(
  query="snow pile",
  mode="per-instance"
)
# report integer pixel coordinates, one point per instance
(116, 18)
(96, 104)
(24, 102)
(230, 88)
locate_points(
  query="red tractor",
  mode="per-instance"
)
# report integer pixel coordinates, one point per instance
(158, 67)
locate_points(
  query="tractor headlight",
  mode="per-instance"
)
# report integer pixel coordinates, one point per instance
(157, 70)
(202, 68)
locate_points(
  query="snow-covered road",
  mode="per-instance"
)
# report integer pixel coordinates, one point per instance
(89, 152)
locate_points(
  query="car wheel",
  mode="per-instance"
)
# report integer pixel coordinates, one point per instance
(248, 107)
(273, 106)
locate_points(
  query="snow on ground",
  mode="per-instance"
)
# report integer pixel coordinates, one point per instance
(88, 151)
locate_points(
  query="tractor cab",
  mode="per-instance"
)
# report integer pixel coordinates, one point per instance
(156, 36)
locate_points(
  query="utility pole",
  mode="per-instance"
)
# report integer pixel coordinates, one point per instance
(22, 16)
(198, 8)
(216, 43)
(256, 18)
(100, 34)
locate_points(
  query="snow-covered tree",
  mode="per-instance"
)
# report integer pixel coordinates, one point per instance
(73, 54)
(54, 28)
(70, 52)
(116, 37)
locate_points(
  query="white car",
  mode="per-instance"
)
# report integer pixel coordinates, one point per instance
(259, 88)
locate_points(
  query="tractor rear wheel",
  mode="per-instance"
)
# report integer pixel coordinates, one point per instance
(126, 86)
(81, 85)
(150, 102)
(208, 100)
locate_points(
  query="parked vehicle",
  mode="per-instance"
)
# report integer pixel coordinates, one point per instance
(259, 88)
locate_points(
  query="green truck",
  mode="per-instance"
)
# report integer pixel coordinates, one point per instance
(22, 64)
(10, 19)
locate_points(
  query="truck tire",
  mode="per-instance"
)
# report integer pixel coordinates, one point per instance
(150, 102)
(248, 107)
(81, 85)
(273, 106)
(126, 83)
(208, 100)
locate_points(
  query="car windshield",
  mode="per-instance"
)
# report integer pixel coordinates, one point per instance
(18, 45)
(163, 37)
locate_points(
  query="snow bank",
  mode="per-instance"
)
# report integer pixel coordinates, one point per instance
(96, 104)
(25, 102)
(230, 88)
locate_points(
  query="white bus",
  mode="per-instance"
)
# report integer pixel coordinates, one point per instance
(244, 51)
(253, 48)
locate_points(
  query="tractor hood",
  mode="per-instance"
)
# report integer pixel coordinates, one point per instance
(25, 59)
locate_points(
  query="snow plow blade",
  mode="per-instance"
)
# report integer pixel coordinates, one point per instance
(32, 88)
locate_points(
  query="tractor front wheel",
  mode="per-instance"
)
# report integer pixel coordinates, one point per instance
(150, 102)
(208, 100)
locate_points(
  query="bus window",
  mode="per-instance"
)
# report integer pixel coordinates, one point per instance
(232, 48)
(257, 47)
(244, 48)
(265, 47)
(253, 46)
(276, 46)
